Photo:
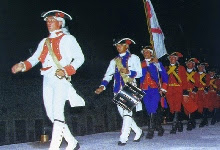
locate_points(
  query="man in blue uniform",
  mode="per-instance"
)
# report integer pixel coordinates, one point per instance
(154, 83)
(125, 68)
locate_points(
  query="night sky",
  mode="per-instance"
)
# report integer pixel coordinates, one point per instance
(189, 26)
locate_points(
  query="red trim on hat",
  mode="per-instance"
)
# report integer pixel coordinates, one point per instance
(59, 14)
(128, 42)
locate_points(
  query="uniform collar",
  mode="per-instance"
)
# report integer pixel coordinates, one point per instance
(124, 54)
(148, 60)
(55, 33)
(189, 70)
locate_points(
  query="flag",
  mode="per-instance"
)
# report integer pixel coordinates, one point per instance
(155, 30)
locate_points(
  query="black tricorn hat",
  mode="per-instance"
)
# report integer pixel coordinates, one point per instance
(56, 13)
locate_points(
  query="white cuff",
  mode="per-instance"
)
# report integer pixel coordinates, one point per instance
(102, 86)
(24, 69)
(163, 90)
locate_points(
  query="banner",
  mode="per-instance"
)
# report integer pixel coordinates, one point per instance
(155, 30)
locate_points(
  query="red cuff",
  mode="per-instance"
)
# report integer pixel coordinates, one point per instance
(70, 70)
(27, 65)
(164, 86)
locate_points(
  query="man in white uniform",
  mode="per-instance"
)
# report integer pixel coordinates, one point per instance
(132, 69)
(61, 56)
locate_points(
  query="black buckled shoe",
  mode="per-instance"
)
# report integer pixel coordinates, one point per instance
(121, 144)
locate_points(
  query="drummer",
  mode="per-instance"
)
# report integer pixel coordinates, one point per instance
(154, 88)
(125, 67)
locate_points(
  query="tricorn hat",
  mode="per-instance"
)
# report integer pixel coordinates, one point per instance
(123, 41)
(177, 54)
(149, 48)
(203, 64)
(194, 60)
(56, 13)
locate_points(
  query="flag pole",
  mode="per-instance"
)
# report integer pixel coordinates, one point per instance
(151, 36)
(149, 26)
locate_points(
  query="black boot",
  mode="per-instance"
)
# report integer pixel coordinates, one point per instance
(204, 121)
(190, 123)
(151, 127)
(174, 128)
(213, 121)
(174, 125)
(160, 131)
(158, 121)
(180, 126)
(193, 120)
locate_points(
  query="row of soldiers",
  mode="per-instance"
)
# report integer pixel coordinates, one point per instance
(187, 86)
(165, 87)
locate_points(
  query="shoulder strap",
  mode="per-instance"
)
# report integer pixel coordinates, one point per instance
(56, 61)
(54, 57)
(125, 77)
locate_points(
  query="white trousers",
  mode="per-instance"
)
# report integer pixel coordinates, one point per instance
(128, 125)
(55, 94)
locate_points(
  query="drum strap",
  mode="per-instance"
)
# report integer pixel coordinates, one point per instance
(124, 76)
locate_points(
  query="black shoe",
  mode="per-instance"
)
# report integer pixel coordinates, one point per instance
(160, 131)
(213, 121)
(77, 147)
(150, 134)
(179, 126)
(174, 128)
(121, 144)
(203, 123)
(138, 140)
(193, 124)
(189, 126)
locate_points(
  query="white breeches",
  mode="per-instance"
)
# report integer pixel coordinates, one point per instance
(55, 92)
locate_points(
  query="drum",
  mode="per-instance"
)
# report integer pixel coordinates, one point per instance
(128, 97)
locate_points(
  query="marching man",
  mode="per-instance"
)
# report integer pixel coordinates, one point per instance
(176, 90)
(150, 83)
(212, 95)
(61, 56)
(125, 67)
(189, 103)
(203, 102)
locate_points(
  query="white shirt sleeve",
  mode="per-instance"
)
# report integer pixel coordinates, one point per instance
(134, 64)
(34, 58)
(110, 71)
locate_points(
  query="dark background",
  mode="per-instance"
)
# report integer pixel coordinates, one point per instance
(190, 27)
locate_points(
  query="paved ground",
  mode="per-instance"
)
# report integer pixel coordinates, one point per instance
(207, 138)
